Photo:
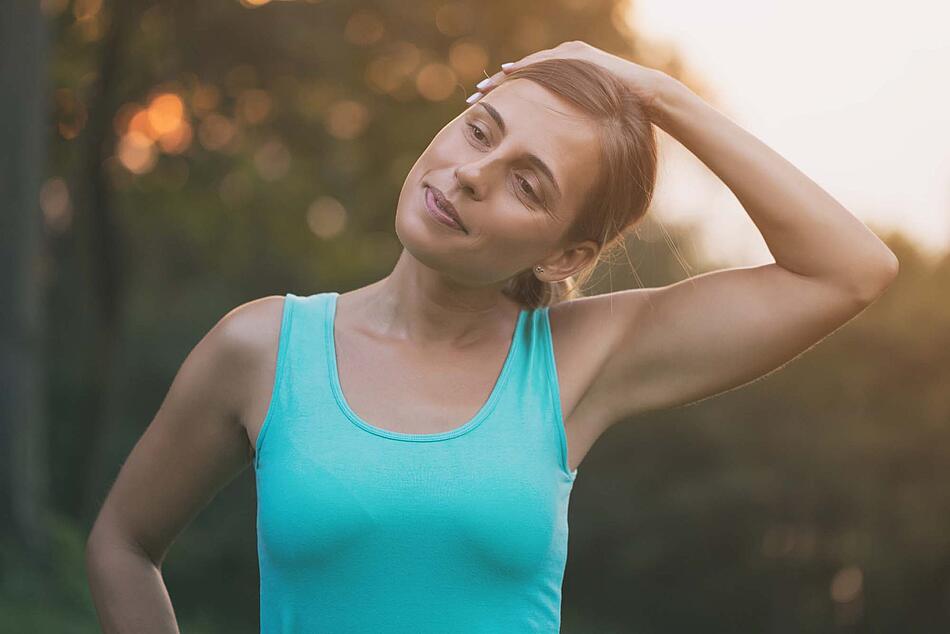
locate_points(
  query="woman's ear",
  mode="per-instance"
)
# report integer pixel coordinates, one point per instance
(576, 257)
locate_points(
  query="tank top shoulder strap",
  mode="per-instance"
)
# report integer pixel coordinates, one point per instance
(300, 351)
(540, 379)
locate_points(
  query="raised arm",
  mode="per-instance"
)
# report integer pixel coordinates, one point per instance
(195, 445)
(665, 347)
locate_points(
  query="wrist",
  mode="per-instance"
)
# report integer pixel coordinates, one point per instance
(667, 93)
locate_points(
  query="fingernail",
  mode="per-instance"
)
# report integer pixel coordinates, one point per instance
(483, 83)
(506, 65)
(473, 97)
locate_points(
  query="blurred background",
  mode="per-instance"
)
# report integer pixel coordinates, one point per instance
(165, 161)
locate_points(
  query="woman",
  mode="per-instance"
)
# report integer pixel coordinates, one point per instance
(415, 441)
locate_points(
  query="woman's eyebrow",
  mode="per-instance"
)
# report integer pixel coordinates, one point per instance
(532, 158)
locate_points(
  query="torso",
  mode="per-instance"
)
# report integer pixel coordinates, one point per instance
(375, 374)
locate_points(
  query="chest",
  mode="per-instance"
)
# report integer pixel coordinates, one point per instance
(328, 506)
(401, 389)
(407, 390)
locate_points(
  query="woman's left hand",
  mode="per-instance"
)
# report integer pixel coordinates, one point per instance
(641, 80)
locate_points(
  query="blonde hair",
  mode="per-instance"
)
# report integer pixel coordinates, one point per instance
(620, 196)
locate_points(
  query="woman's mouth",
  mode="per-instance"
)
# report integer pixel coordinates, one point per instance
(436, 212)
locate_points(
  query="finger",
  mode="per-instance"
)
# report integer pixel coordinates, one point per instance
(510, 67)
(490, 82)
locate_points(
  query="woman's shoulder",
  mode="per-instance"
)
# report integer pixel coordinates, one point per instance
(253, 327)
(248, 337)
(251, 334)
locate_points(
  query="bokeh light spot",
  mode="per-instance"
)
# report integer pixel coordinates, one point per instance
(137, 152)
(436, 81)
(216, 132)
(364, 28)
(346, 119)
(454, 19)
(254, 106)
(272, 160)
(326, 217)
(165, 113)
(55, 204)
(847, 584)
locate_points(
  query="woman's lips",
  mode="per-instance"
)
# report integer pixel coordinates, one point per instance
(438, 214)
(445, 204)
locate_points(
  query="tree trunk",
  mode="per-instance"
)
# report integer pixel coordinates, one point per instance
(99, 234)
(23, 137)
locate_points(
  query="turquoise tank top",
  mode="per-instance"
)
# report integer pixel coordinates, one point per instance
(362, 529)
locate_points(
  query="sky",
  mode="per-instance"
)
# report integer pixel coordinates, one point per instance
(854, 93)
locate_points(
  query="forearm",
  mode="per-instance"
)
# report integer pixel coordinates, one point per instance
(806, 230)
(128, 592)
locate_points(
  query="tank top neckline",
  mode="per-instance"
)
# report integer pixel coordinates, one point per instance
(513, 348)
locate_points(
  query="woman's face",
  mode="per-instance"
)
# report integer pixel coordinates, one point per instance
(515, 214)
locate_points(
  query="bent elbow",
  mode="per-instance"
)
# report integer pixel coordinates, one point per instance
(874, 283)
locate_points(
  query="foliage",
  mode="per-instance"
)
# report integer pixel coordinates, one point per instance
(809, 501)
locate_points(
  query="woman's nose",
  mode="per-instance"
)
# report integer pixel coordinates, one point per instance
(468, 182)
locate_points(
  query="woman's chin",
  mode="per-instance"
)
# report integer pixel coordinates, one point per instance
(414, 228)
(416, 237)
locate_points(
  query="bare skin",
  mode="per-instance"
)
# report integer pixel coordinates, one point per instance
(439, 324)
(438, 327)
(442, 302)
(437, 388)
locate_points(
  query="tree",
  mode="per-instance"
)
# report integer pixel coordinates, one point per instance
(23, 485)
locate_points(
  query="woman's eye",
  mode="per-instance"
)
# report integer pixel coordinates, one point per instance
(475, 129)
(530, 188)
(530, 191)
